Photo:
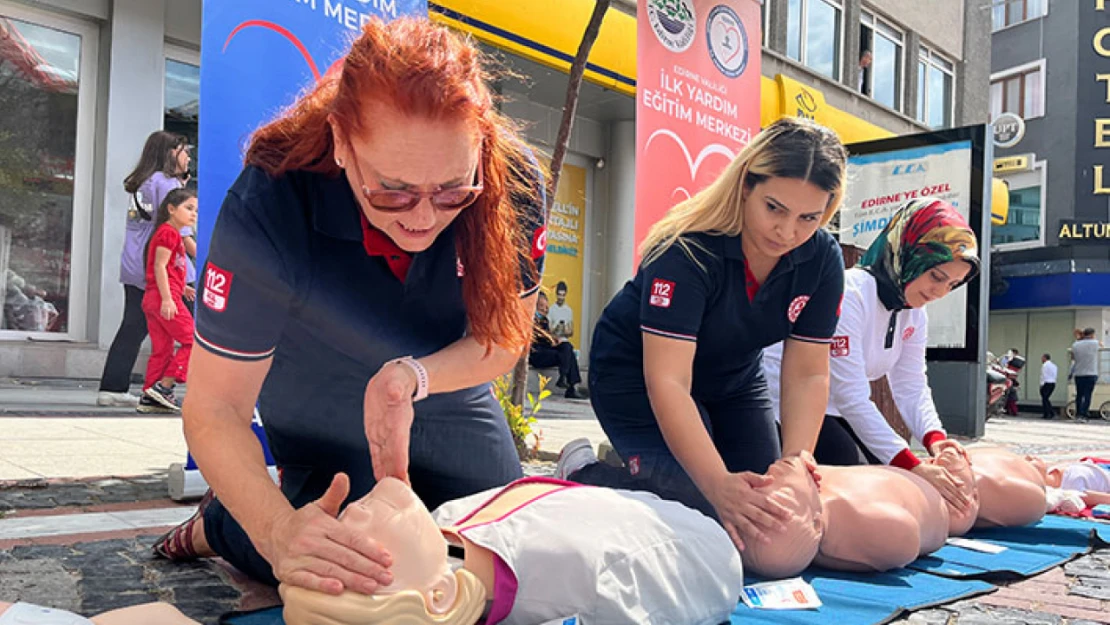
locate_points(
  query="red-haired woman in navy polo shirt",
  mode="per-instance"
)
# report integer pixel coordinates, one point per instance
(373, 268)
(675, 373)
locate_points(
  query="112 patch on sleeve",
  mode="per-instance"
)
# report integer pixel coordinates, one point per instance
(217, 286)
(840, 346)
(661, 293)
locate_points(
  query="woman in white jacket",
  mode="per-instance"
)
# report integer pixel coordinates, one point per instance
(925, 252)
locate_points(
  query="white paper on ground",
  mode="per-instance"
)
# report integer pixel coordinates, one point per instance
(787, 594)
(975, 545)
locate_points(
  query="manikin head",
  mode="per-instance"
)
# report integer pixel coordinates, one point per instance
(424, 589)
(790, 551)
(1053, 476)
(960, 521)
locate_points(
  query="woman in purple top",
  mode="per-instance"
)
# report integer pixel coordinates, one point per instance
(165, 158)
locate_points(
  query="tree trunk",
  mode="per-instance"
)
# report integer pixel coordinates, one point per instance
(577, 70)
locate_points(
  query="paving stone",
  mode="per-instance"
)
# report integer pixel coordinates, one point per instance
(1093, 592)
(32, 552)
(1088, 567)
(102, 603)
(929, 617)
(97, 585)
(40, 581)
(206, 611)
(200, 593)
(1006, 616)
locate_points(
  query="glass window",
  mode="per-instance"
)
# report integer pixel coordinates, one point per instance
(934, 90)
(794, 29)
(886, 73)
(182, 99)
(813, 34)
(1009, 12)
(1021, 93)
(39, 83)
(1024, 221)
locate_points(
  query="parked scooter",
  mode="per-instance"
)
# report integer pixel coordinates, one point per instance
(1002, 385)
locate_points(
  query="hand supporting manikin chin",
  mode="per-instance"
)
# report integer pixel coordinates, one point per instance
(960, 521)
(424, 588)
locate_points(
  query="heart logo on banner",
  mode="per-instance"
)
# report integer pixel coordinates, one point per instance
(730, 32)
(706, 152)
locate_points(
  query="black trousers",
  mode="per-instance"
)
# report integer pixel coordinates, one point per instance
(562, 356)
(1046, 401)
(838, 445)
(1084, 388)
(116, 377)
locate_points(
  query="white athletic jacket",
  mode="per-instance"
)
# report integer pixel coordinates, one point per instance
(860, 354)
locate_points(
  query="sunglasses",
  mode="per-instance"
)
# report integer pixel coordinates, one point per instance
(399, 201)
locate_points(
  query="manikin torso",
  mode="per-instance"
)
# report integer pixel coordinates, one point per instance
(960, 521)
(878, 518)
(1011, 490)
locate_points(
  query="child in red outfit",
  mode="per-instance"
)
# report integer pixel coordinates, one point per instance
(167, 318)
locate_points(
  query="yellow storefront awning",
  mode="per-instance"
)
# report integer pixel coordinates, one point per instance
(549, 31)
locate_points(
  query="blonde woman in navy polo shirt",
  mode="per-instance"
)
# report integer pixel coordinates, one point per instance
(373, 268)
(675, 362)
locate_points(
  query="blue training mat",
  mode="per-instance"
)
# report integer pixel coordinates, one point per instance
(865, 598)
(1029, 550)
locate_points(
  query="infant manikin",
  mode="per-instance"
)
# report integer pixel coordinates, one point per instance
(878, 518)
(959, 521)
(26, 613)
(1071, 487)
(536, 550)
(792, 549)
(1011, 490)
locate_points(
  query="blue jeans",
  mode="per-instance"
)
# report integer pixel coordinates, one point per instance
(448, 459)
(742, 427)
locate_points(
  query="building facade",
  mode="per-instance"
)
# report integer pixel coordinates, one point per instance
(83, 82)
(1050, 69)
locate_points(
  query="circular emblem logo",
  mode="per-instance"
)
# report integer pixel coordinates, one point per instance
(1009, 129)
(907, 333)
(796, 307)
(728, 42)
(673, 23)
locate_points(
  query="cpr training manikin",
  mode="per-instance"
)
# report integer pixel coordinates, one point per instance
(536, 550)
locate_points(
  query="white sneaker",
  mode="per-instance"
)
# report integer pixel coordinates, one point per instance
(575, 455)
(105, 398)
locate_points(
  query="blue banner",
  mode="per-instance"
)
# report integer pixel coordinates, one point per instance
(256, 57)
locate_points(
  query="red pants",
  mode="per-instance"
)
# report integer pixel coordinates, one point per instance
(164, 361)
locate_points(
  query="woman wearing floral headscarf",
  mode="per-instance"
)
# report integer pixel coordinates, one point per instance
(925, 252)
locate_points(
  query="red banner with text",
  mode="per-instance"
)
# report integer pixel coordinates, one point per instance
(697, 101)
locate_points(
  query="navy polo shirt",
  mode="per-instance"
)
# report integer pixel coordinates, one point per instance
(288, 276)
(698, 293)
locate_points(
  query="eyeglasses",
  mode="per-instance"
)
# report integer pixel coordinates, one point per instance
(399, 201)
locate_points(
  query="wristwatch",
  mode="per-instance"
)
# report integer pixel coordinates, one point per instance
(421, 375)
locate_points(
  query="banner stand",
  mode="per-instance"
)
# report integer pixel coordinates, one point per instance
(185, 481)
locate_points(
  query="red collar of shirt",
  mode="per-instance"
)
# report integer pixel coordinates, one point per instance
(750, 283)
(376, 243)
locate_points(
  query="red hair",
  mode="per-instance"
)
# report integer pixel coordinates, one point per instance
(425, 70)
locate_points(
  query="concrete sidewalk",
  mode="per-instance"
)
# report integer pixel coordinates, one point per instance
(54, 429)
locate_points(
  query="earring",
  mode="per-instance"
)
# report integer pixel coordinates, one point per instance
(339, 161)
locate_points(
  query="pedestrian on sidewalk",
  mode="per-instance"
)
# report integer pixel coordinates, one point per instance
(549, 350)
(167, 317)
(161, 168)
(1085, 354)
(1048, 385)
(372, 270)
